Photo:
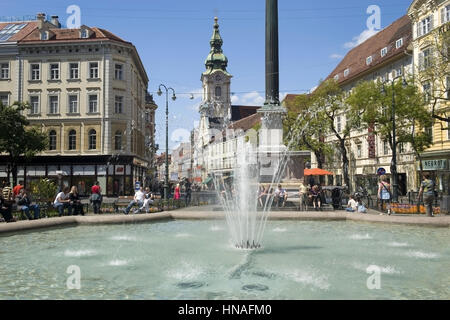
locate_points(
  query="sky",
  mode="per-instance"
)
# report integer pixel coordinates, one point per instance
(172, 39)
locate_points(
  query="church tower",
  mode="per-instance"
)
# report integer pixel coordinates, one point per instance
(216, 104)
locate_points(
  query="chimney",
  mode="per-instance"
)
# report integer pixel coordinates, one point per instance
(41, 20)
(55, 22)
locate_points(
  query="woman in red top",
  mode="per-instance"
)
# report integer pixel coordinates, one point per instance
(177, 192)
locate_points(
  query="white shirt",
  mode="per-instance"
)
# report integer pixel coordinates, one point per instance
(353, 204)
(139, 196)
(61, 195)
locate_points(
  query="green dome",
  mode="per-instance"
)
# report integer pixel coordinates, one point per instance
(216, 60)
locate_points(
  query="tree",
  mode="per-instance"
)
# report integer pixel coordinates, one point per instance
(305, 129)
(433, 71)
(16, 139)
(372, 102)
(329, 102)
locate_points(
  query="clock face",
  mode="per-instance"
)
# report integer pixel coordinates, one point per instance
(218, 77)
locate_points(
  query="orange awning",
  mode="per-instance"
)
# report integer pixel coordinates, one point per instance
(317, 172)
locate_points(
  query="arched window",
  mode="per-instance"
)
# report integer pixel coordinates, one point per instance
(118, 140)
(72, 140)
(218, 91)
(52, 140)
(92, 139)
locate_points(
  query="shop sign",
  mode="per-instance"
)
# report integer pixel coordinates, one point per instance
(120, 170)
(381, 171)
(433, 165)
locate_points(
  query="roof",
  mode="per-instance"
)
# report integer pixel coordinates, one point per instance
(72, 35)
(355, 60)
(13, 26)
(246, 123)
(289, 99)
(241, 112)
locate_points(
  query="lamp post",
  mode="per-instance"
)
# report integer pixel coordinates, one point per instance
(394, 138)
(166, 180)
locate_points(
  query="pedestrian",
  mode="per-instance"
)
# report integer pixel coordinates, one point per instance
(280, 195)
(384, 194)
(6, 200)
(261, 196)
(177, 194)
(17, 188)
(138, 200)
(62, 202)
(427, 190)
(302, 193)
(75, 201)
(25, 204)
(315, 197)
(96, 197)
(148, 200)
(188, 190)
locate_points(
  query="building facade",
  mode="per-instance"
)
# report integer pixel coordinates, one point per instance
(87, 89)
(431, 19)
(383, 57)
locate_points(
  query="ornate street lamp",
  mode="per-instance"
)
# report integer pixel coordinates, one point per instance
(166, 180)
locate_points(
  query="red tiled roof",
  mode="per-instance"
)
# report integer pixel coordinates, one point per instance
(355, 60)
(25, 31)
(73, 35)
(246, 123)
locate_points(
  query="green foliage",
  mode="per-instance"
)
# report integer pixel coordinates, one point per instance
(44, 190)
(15, 138)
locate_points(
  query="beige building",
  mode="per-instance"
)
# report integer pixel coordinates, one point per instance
(430, 19)
(87, 89)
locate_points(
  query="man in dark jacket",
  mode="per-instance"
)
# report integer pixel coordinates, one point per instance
(25, 205)
(6, 205)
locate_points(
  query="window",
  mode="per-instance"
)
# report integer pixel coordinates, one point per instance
(92, 139)
(118, 140)
(429, 131)
(425, 59)
(339, 124)
(445, 14)
(11, 29)
(448, 87)
(74, 71)
(399, 72)
(93, 70)
(427, 91)
(93, 102)
(399, 43)
(425, 26)
(4, 71)
(385, 147)
(118, 104)
(84, 33)
(218, 91)
(336, 77)
(44, 35)
(118, 72)
(401, 148)
(35, 71)
(359, 150)
(73, 103)
(4, 99)
(52, 140)
(369, 60)
(53, 105)
(34, 103)
(54, 71)
(384, 52)
(72, 140)
(346, 72)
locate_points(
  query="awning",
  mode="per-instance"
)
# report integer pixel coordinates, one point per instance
(317, 172)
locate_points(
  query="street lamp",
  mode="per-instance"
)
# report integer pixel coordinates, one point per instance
(394, 137)
(166, 180)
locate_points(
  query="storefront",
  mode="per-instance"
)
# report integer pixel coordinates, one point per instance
(440, 172)
(115, 177)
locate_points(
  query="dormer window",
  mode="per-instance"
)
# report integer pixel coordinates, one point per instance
(399, 43)
(336, 77)
(84, 32)
(384, 52)
(369, 60)
(346, 72)
(44, 35)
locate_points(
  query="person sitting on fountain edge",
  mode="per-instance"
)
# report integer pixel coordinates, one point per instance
(280, 195)
(138, 200)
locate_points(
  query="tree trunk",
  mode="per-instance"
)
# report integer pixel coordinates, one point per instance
(319, 157)
(345, 163)
(14, 172)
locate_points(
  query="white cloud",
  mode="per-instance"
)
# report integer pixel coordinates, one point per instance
(234, 99)
(366, 34)
(252, 98)
(336, 56)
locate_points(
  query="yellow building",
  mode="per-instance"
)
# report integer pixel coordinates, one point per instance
(88, 91)
(431, 19)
